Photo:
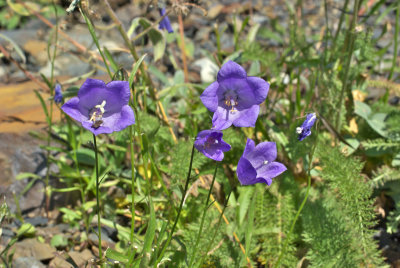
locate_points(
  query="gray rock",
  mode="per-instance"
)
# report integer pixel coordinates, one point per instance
(27, 262)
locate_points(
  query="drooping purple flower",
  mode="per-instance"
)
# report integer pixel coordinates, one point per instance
(101, 108)
(58, 97)
(235, 97)
(305, 129)
(211, 144)
(257, 163)
(165, 23)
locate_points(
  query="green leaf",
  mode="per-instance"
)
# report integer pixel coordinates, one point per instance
(135, 68)
(150, 124)
(15, 46)
(243, 202)
(149, 236)
(22, 10)
(59, 241)
(26, 229)
(115, 255)
(156, 37)
(375, 121)
(250, 224)
(26, 175)
(71, 92)
(113, 64)
(65, 190)
(44, 107)
(396, 160)
(362, 109)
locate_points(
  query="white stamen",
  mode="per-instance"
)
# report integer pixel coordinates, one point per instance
(101, 106)
(266, 162)
(299, 130)
(216, 141)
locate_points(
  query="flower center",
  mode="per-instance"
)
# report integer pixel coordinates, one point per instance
(209, 142)
(231, 101)
(266, 162)
(299, 130)
(96, 114)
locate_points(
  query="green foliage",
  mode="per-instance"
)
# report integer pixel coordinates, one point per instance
(307, 73)
(341, 174)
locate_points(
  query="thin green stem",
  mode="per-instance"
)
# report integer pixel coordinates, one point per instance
(287, 240)
(81, 184)
(179, 210)
(52, 60)
(346, 3)
(131, 137)
(351, 39)
(94, 37)
(203, 217)
(396, 39)
(210, 243)
(97, 199)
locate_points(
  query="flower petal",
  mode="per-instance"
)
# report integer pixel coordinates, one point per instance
(93, 92)
(248, 117)
(127, 118)
(264, 151)
(271, 170)
(89, 93)
(73, 109)
(225, 146)
(239, 89)
(222, 118)
(260, 88)
(250, 145)
(214, 154)
(209, 96)
(246, 173)
(96, 131)
(231, 70)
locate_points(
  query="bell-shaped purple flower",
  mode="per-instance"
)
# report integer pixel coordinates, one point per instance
(101, 108)
(235, 97)
(165, 23)
(58, 97)
(257, 163)
(211, 144)
(305, 129)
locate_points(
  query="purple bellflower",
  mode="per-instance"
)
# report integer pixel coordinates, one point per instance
(165, 23)
(101, 108)
(235, 97)
(305, 129)
(58, 97)
(257, 163)
(211, 144)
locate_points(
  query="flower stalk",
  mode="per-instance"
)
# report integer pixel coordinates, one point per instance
(311, 155)
(179, 210)
(97, 198)
(203, 216)
(131, 137)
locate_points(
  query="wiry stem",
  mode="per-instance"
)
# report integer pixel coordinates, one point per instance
(131, 137)
(142, 67)
(97, 199)
(287, 240)
(179, 210)
(203, 217)
(183, 50)
(396, 40)
(351, 39)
